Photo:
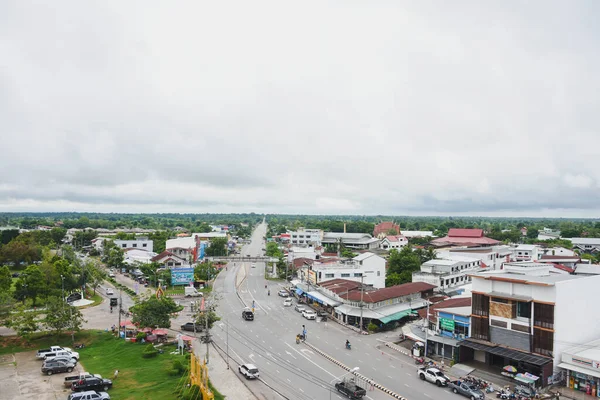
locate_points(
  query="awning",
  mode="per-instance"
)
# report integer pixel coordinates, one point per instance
(299, 291)
(443, 340)
(579, 369)
(523, 379)
(476, 345)
(511, 354)
(321, 298)
(395, 316)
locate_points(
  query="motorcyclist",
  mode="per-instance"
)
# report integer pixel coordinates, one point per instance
(347, 344)
(269, 292)
(297, 338)
(111, 308)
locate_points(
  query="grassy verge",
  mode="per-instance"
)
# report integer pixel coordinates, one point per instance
(96, 298)
(16, 344)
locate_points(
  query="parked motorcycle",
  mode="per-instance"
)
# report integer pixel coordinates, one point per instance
(419, 360)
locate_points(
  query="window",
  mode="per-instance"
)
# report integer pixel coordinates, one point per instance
(378, 273)
(481, 304)
(144, 244)
(345, 275)
(124, 245)
(329, 275)
(523, 309)
(499, 300)
(543, 315)
(134, 245)
(501, 324)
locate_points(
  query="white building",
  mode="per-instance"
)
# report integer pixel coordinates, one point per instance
(556, 251)
(417, 234)
(368, 267)
(141, 244)
(526, 252)
(490, 257)
(181, 243)
(358, 241)
(548, 234)
(535, 309)
(305, 237)
(135, 256)
(302, 252)
(393, 242)
(448, 273)
(587, 245)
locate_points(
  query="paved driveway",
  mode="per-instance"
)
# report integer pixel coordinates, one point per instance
(21, 379)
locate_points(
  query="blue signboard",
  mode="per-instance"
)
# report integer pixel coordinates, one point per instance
(182, 276)
(202, 247)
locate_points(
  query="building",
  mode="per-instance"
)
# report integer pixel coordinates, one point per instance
(137, 256)
(581, 366)
(556, 251)
(357, 241)
(587, 269)
(527, 314)
(382, 229)
(170, 260)
(490, 257)
(587, 245)
(305, 237)
(417, 234)
(548, 234)
(464, 237)
(447, 273)
(141, 244)
(569, 261)
(302, 252)
(526, 252)
(207, 236)
(367, 268)
(393, 242)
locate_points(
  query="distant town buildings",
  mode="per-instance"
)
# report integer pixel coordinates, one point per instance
(367, 268)
(464, 237)
(358, 241)
(384, 229)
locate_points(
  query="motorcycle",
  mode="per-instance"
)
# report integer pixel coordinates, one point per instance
(419, 360)
(348, 346)
(80, 346)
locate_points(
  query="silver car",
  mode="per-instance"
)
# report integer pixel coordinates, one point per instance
(299, 308)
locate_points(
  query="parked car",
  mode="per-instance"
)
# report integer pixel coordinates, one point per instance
(41, 353)
(62, 353)
(250, 371)
(83, 375)
(287, 302)
(299, 308)
(309, 314)
(74, 297)
(89, 395)
(111, 274)
(189, 326)
(54, 367)
(283, 293)
(16, 275)
(91, 384)
(432, 375)
(466, 389)
(67, 358)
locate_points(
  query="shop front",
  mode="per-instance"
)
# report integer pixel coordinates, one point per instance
(582, 368)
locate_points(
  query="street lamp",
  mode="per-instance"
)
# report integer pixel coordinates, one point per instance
(353, 370)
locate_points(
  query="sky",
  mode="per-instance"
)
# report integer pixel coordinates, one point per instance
(314, 107)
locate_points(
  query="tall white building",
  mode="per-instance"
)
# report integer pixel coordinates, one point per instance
(140, 244)
(526, 252)
(368, 267)
(447, 273)
(304, 237)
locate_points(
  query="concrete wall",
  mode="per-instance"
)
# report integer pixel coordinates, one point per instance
(147, 245)
(509, 338)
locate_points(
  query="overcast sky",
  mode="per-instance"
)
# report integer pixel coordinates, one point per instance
(345, 107)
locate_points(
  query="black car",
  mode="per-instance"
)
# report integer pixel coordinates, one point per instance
(189, 326)
(53, 367)
(16, 275)
(73, 297)
(97, 384)
(248, 315)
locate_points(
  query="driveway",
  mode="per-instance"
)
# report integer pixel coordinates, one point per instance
(22, 379)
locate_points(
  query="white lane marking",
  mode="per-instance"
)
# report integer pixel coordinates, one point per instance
(426, 395)
(314, 363)
(406, 385)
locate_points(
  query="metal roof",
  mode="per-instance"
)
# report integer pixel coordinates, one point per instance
(512, 354)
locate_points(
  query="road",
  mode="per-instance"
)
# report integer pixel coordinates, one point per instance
(295, 371)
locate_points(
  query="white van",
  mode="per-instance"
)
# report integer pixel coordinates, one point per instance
(191, 291)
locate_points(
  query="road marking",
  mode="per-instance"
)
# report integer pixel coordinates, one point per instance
(390, 377)
(408, 373)
(406, 385)
(426, 395)
(290, 354)
(289, 380)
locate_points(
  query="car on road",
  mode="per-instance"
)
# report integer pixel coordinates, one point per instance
(299, 308)
(89, 395)
(287, 302)
(250, 371)
(247, 314)
(73, 297)
(432, 375)
(111, 274)
(91, 384)
(55, 367)
(109, 291)
(283, 293)
(351, 390)
(189, 326)
(466, 389)
(309, 314)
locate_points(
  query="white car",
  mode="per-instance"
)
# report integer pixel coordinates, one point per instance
(299, 308)
(109, 291)
(287, 302)
(250, 371)
(309, 314)
(283, 293)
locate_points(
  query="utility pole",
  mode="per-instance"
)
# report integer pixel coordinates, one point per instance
(62, 278)
(362, 277)
(227, 330)
(426, 327)
(207, 333)
(120, 302)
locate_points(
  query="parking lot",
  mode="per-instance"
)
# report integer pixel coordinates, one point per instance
(21, 378)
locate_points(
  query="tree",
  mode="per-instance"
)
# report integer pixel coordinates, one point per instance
(217, 247)
(94, 274)
(31, 284)
(154, 312)
(61, 316)
(212, 318)
(347, 253)
(204, 271)
(5, 279)
(113, 256)
(24, 321)
(7, 303)
(532, 233)
(403, 263)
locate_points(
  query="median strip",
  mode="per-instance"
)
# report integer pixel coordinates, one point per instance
(368, 380)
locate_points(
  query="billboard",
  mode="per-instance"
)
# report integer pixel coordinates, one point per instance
(202, 250)
(182, 276)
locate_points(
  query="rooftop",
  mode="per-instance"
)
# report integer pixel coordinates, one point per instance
(584, 240)
(470, 233)
(503, 275)
(391, 292)
(526, 247)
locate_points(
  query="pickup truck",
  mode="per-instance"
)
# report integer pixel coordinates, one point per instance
(62, 353)
(42, 353)
(466, 389)
(84, 375)
(432, 375)
(93, 383)
(351, 390)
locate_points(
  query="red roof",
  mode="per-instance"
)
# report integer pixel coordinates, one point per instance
(340, 285)
(395, 238)
(299, 262)
(285, 235)
(449, 303)
(563, 268)
(385, 227)
(470, 233)
(391, 292)
(329, 254)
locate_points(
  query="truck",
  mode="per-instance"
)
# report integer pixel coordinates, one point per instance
(41, 354)
(93, 383)
(350, 389)
(74, 378)
(191, 291)
(467, 389)
(432, 375)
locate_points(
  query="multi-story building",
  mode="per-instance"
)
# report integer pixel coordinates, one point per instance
(367, 268)
(491, 257)
(305, 237)
(587, 245)
(358, 241)
(464, 237)
(526, 314)
(302, 252)
(447, 273)
(140, 244)
(526, 252)
(393, 242)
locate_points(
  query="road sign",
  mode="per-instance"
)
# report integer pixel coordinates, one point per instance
(447, 324)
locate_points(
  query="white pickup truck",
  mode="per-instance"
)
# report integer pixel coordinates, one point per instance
(42, 353)
(433, 375)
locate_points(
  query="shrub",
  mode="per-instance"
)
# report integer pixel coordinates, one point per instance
(372, 327)
(140, 336)
(149, 351)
